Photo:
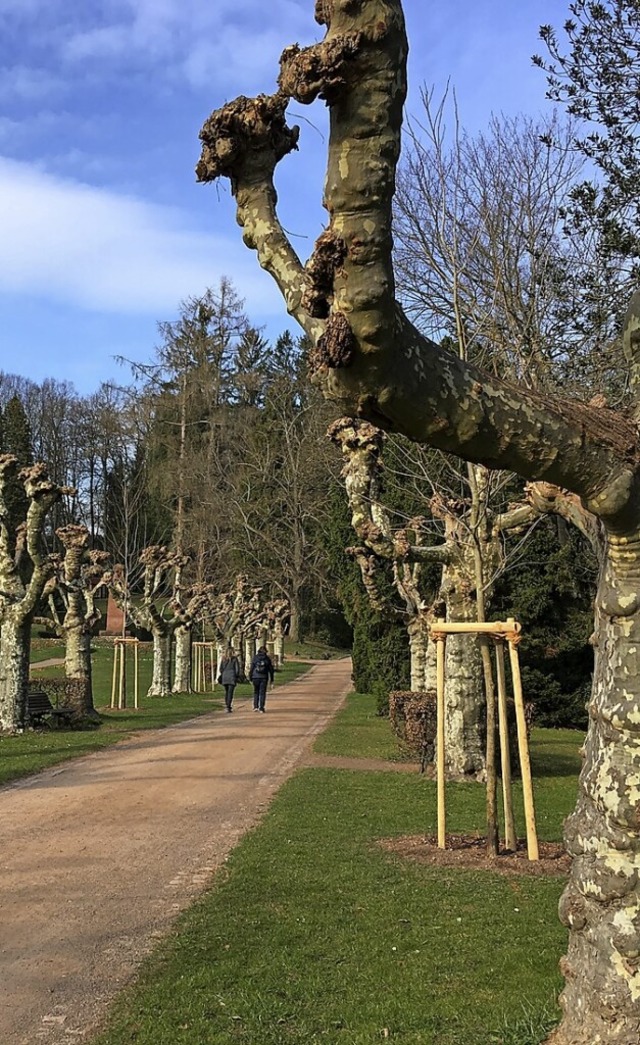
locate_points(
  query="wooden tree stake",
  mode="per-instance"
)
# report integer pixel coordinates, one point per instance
(114, 677)
(508, 630)
(510, 836)
(200, 650)
(119, 676)
(440, 753)
(135, 675)
(523, 750)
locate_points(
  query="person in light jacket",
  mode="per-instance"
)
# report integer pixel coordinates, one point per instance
(229, 676)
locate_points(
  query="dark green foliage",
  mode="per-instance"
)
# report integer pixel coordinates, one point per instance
(16, 440)
(380, 646)
(551, 593)
(380, 655)
(16, 432)
(594, 74)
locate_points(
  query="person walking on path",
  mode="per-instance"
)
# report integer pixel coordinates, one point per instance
(229, 676)
(260, 672)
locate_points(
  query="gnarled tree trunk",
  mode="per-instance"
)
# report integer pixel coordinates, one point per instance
(18, 599)
(418, 632)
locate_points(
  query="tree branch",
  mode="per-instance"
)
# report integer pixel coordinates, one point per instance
(370, 358)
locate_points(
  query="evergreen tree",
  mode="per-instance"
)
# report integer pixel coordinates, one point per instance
(550, 591)
(595, 76)
(380, 649)
(16, 436)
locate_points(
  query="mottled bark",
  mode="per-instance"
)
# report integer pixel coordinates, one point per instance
(80, 575)
(163, 615)
(278, 648)
(77, 665)
(471, 552)
(236, 617)
(188, 608)
(182, 664)
(375, 365)
(18, 600)
(465, 722)
(161, 673)
(249, 649)
(15, 641)
(418, 632)
(277, 612)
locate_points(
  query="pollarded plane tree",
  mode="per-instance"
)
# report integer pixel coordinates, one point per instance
(22, 554)
(376, 365)
(470, 554)
(189, 607)
(277, 615)
(78, 576)
(362, 444)
(152, 608)
(236, 616)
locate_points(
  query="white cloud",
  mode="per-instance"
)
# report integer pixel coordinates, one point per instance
(203, 42)
(244, 60)
(70, 242)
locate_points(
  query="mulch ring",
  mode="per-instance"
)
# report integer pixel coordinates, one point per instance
(469, 852)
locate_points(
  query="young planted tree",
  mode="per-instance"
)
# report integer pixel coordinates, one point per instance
(374, 363)
(22, 554)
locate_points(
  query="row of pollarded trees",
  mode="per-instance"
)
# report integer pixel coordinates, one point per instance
(444, 563)
(69, 583)
(170, 610)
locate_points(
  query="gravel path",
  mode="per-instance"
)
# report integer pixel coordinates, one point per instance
(99, 855)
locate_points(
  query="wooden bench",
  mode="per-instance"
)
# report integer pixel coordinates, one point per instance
(40, 707)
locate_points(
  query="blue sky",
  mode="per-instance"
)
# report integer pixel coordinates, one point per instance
(103, 229)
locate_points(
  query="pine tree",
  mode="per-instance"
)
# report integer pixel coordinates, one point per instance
(16, 437)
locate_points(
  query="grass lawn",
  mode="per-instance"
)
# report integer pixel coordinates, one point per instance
(35, 750)
(313, 650)
(358, 731)
(313, 934)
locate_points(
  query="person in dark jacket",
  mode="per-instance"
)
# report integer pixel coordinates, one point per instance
(229, 676)
(260, 672)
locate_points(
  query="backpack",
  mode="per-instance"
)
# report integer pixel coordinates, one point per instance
(261, 664)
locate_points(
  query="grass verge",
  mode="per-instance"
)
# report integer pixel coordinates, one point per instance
(312, 934)
(357, 731)
(35, 750)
